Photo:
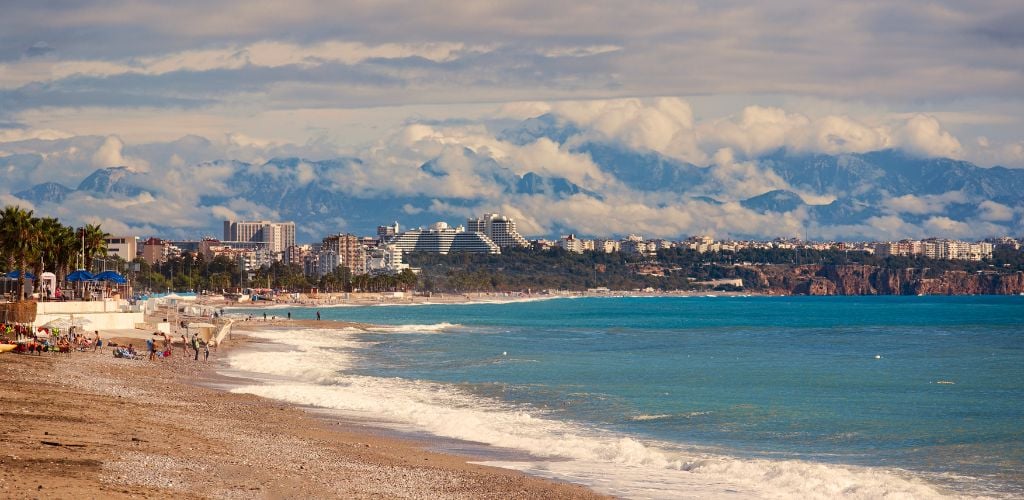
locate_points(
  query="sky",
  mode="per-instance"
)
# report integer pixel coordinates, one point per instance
(162, 86)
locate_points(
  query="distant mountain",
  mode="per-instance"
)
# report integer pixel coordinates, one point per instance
(111, 181)
(45, 193)
(322, 197)
(893, 172)
(779, 200)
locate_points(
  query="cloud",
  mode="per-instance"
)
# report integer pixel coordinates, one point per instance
(923, 135)
(664, 125)
(925, 204)
(995, 212)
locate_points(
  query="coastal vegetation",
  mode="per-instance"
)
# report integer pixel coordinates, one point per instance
(30, 244)
(674, 269)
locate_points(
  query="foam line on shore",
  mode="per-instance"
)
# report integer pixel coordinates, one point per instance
(315, 372)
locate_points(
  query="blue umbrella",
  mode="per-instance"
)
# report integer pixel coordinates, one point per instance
(111, 276)
(16, 274)
(80, 275)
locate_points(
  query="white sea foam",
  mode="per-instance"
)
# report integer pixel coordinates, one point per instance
(644, 418)
(314, 373)
(434, 328)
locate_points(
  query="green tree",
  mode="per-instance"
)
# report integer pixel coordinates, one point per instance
(94, 243)
(18, 236)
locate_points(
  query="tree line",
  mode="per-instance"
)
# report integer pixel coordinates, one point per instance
(30, 244)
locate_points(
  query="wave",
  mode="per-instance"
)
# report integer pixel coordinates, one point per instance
(432, 328)
(314, 374)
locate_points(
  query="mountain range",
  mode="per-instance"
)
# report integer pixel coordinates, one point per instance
(840, 190)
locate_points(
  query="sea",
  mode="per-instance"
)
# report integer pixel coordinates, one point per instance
(682, 397)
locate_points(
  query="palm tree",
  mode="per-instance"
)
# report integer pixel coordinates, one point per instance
(63, 252)
(94, 243)
(18, 237)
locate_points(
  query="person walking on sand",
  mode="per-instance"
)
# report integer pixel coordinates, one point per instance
(152, 348)
(318, 315)
(99, 342)
(195, 345)
(206, 351)
(184, 345)
(289, 315)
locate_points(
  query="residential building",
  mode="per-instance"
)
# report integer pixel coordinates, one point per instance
(606, 246)
(278, 236)
(343, 250)
(386, 259)
(571, 243)
(125, 247)
(296, 254)
(155, 251)
(385, 233)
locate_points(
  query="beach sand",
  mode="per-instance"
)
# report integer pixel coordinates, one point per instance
(88, 425)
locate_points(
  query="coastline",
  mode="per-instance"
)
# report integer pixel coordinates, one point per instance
(91, 425)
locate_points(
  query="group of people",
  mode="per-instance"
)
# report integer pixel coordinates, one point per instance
(195, 343)
(51, 340)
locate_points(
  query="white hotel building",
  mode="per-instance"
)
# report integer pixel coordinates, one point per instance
(439, 238)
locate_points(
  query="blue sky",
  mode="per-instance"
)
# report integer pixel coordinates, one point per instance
(158, 86)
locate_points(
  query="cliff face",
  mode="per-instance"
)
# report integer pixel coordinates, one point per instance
(872, 280)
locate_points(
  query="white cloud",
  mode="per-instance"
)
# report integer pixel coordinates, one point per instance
(664, 125)
(995, 212)
(924, 135)
(925, 204)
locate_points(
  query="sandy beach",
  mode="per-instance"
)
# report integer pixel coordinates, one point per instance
(88, 425)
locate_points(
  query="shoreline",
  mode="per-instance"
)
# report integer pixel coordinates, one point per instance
(91, 425)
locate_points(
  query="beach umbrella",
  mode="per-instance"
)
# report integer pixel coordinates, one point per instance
(61, 323)
(80, 275)
(17, 274)
(111, 276)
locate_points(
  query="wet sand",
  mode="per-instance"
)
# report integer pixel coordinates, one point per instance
(88, 425)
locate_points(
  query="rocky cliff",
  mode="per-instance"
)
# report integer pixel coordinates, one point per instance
(873, 280)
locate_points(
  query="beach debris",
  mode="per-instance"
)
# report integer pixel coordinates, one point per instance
(56, 443)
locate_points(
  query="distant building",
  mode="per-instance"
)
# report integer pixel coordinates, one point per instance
(499, 228)
(606, 246)
(278, 236)
(296, 254)
(386, 259)
(342, 250)
(935, 248)
(439, 238)
(155, 251)
(571, 243)
(125, 247)
(385, 233)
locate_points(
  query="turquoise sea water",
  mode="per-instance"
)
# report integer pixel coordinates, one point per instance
(930, 387)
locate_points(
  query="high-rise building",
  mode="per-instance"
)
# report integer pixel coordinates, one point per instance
(440, 238)
(277, 235)
(343, 250)
(499, 228)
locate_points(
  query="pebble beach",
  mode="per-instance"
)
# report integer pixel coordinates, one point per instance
(88, 425)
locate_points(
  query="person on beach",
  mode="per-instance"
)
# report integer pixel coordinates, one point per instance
(264, 316)
(195, 345)
(99, 342)
(318, 315)
(151, 345)
(206, 351)
(184, 345)
(289, 315)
